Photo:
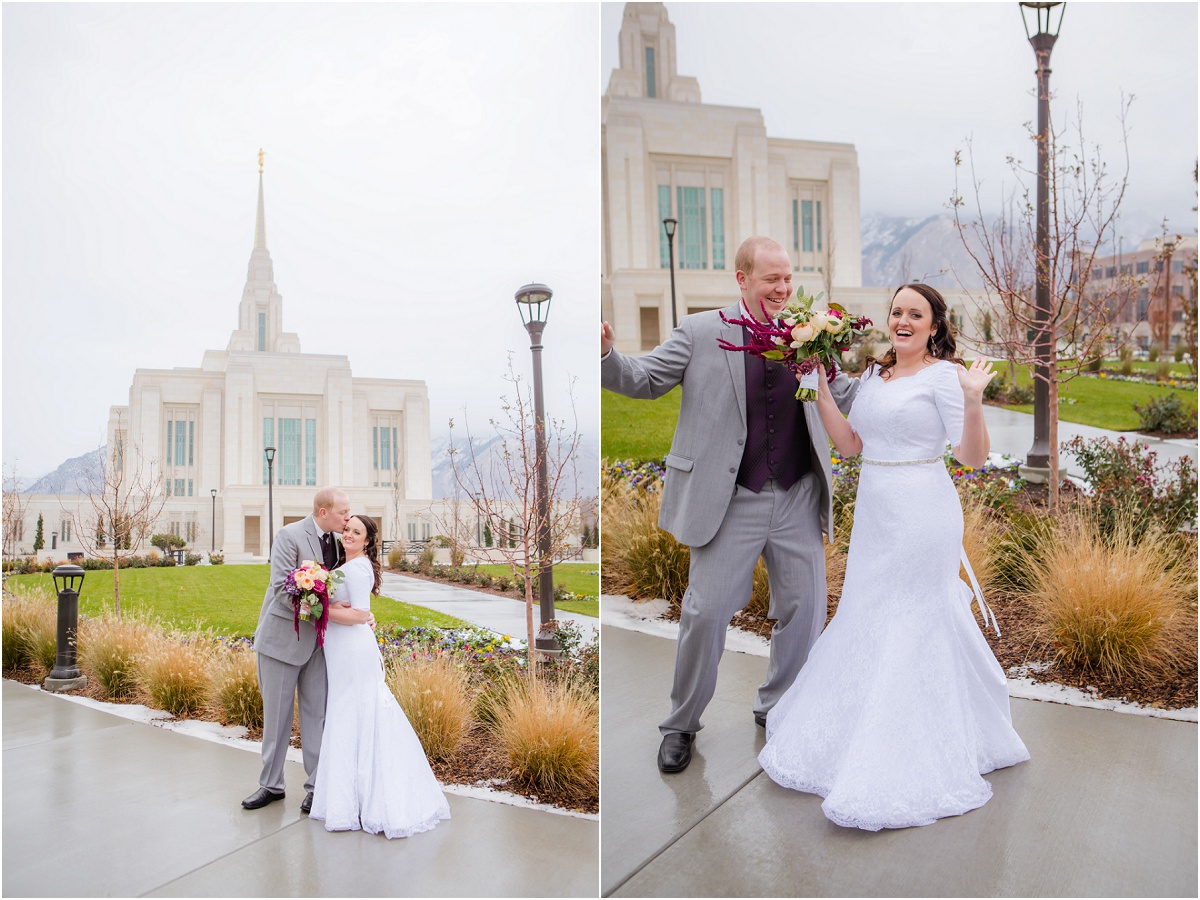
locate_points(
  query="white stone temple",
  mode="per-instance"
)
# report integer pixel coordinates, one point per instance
(716, 171)
(665, 154)
(205, 428)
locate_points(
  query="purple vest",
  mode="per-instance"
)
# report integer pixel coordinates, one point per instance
(777, 441)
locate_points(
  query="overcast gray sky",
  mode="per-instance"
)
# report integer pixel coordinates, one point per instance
(422, 163)
(907, 83)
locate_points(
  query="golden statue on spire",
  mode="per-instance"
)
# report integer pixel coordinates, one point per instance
(260, 159)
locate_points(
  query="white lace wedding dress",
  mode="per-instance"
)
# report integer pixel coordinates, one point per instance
(901, 705)
(373, 773)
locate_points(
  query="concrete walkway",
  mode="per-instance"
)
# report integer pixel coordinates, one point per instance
(1105, 807)
(96, 805)
(1012, 434)
(503, 615)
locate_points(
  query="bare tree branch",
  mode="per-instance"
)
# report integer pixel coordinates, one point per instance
(502, 488)
(125, 496)
(1084, 200)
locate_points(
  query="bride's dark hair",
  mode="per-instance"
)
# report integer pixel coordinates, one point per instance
(371, 548)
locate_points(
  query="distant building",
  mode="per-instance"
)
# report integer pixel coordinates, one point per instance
(1143, 281)
(665, 154)
(206, 428)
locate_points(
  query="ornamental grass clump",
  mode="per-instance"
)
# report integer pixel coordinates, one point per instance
(1118, 604)
(174, 673)
(640, 559)
(109, 650)
(436, 695)
(235, 694)
(30, 630)
(550, 732)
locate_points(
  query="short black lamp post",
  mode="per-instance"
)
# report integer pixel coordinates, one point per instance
(1042, 23)
(213, 549)
(270, 454)
(65, 676)
(533, 302)
(669, 228)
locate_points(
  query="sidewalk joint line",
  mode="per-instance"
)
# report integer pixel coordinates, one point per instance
(671, 843)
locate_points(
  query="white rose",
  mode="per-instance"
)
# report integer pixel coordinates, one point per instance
(818, 320)
(834, 325)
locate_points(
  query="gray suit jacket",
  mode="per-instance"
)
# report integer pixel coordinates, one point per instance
(276, 632)
(706, 451)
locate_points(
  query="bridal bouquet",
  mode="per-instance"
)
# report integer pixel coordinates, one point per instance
(803, 338)
(311, 586)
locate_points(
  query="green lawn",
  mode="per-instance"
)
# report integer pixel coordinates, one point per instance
(637, 429)
(1102, 403)
(641, 430)
(225, 598)
(578, 578)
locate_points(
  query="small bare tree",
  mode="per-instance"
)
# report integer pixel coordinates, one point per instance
(15, 506)
(123, 498)
(397, 523)
(1084, 199)
(503, 489)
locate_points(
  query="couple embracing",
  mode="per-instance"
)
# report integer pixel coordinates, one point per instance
(365, 765)
(894, 712)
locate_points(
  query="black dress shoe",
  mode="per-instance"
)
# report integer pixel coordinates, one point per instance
(760, 721)
(675, 752)
(261, 798)
(306, 803)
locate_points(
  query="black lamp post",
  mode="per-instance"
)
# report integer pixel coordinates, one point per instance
(270, 454)
(533, 301)
(213, 550)
(1042, 23)
(65, 676)
(669, 228)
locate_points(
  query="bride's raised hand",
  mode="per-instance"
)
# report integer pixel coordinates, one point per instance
(976, 378)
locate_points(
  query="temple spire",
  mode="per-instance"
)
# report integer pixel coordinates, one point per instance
(260, 223)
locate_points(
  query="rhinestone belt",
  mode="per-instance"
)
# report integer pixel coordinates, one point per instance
(900, 462)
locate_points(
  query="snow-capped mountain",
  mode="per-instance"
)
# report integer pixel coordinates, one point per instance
(68, 477)
(898, 250)
(488, 450)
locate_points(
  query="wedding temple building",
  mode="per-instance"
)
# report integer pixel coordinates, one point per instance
(716, 171)
(722, 178)
(206, 429)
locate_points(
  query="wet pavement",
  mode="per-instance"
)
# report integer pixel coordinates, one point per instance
(97, 805)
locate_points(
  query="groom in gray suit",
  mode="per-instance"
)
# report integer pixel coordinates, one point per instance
(748, 474)
(289, 663)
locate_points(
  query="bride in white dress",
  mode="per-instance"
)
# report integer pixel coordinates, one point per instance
(901, 706)
(373, 774)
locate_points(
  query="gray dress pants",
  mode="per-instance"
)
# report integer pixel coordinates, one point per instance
(784, 528)
(279, 682)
